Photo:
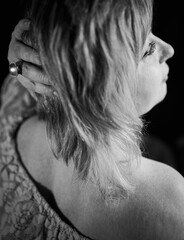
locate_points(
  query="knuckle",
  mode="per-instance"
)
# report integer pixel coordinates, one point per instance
(20, 23)
(23, 21)
(21, 26)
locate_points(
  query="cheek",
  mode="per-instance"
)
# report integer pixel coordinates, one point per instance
(150, 91)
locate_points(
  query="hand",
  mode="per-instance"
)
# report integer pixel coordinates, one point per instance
(33, 77)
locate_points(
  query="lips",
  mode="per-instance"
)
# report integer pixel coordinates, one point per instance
(166, 75)
(165, 79)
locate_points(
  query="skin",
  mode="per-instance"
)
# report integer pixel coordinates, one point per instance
(155, 211)
(153, 73)
(33, 77)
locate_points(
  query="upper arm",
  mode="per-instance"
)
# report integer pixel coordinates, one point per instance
(159, 209)
(175, 204)
(169, 216)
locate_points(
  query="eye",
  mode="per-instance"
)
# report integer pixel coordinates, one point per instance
(151, 49)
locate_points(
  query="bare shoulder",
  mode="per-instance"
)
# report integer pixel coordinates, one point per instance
(33, 150)
(160, 201)
(154, 212)
(162, 177)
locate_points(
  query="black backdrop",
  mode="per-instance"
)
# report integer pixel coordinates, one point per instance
(167, 118)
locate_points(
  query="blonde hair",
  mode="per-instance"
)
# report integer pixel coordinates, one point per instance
(90, 51)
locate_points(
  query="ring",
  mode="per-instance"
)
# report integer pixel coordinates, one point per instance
(15, 68)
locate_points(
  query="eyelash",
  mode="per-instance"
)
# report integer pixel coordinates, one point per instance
(151, 49)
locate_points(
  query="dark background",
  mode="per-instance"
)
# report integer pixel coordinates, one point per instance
(167, 118)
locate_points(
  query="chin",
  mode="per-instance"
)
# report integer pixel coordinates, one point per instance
(163, 93)
(143, 110)
(151, 101)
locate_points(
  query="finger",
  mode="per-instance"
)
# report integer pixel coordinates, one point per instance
(36, 87)
(19, 51)
(28, 86)
(35, 73)
(23, 25)
(26, 83)
(45, 90)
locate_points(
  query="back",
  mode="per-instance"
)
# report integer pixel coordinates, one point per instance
(154, 212)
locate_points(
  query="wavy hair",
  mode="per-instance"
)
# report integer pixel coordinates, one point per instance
(90, 51)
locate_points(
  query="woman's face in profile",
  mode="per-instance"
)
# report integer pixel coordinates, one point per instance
(153, 73)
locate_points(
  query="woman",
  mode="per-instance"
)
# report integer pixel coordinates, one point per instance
(71, 165)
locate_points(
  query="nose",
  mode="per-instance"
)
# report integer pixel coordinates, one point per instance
(167, 51)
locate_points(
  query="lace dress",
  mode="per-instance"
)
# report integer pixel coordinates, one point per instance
(24, 213)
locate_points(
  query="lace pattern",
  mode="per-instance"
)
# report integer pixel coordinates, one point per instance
(24, 213)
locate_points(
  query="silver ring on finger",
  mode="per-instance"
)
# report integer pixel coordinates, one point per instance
(15, 68)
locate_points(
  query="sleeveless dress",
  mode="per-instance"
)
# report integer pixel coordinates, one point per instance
(24, 213)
